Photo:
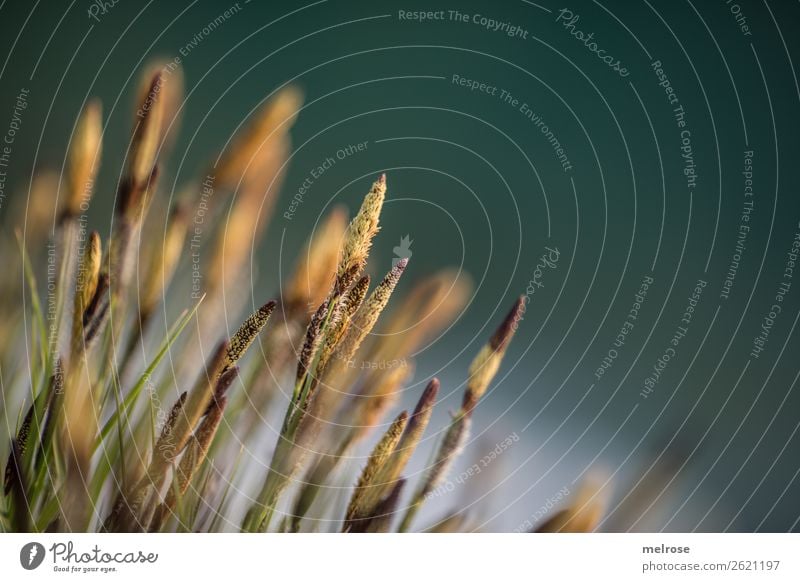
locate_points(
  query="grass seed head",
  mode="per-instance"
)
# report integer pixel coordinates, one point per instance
(314, 275)
(170, 94)
(380, 454)
(95, 315)
(381, 519)
(369, 312)
(311, 342)
(340, 321)
(361, 231)
(198, 446)
(84, 157)
(485, 365)
(271, 122)
(394, 466)
(247, 333)
(147, 134)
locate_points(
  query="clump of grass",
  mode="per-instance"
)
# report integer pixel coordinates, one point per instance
(109, 438)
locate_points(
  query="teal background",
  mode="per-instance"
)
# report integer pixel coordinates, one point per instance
(475, 184)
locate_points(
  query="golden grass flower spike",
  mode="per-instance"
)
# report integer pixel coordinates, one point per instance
(380, 454)
(84, 158)
(388, 474)
(247, 333)
(133, 202)
(381, 519)
(243, 227)
(347, 343)
(341, 321)
(96, 314)
(366, 317)
(136, 189)
(170, 94)
(359, 235)
(272, 122)
(412, 435)
(487, 362)
(146, 136)
(313, 276)
(355, 249)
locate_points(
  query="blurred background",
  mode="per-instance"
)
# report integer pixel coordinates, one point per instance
(598, 158)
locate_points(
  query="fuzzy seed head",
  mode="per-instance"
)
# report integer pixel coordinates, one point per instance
(147, 134)
(369, 312)
(362, 230)
(194, 407)
(451, 447)
(486, 364)
(341, 319)
(380, 454)
(396, 463)
(311, 342)
(172, 418)
(95, 315)
(313, 277)
(84, 157)
(171, 95)
(247, 333)
(200, 442)
(381, 519)
(270, 124)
